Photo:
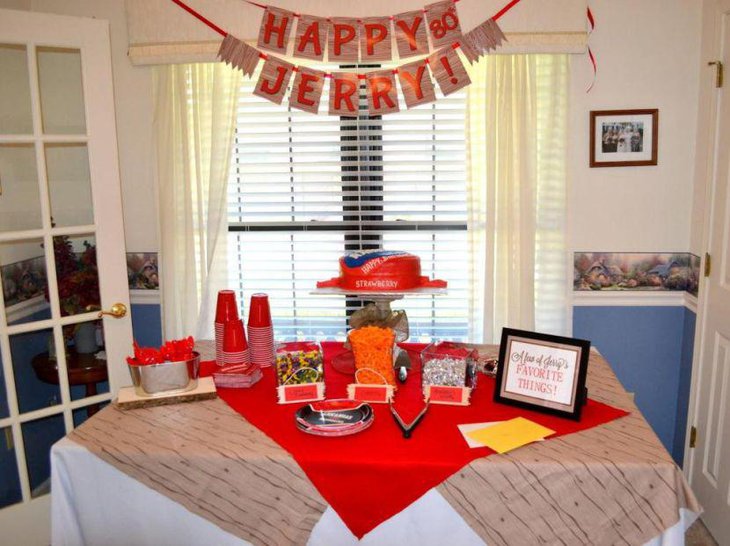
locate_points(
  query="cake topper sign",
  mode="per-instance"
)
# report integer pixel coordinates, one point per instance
(434, 30)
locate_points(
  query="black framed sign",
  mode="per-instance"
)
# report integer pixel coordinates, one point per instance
(542, 372)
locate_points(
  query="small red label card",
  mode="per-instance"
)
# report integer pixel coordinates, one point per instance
(454, 396)
(380, 394)
(300, 393)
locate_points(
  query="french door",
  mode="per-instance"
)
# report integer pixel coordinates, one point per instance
(708, 463)
(62, 255)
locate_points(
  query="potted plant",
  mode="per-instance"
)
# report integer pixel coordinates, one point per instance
(78, 289)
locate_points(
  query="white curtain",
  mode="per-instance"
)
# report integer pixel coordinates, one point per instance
(517, 165)
(194, 121)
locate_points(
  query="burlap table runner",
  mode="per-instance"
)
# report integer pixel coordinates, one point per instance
(613, 484)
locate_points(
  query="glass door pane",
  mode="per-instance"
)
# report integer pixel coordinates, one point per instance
(20, 206)
(61, 89)
(69, 184)
(15, 110)
(10, 492)
(38, 436)
(24, 281)
(35, 388)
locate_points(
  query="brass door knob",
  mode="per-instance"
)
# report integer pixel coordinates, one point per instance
(118, 310)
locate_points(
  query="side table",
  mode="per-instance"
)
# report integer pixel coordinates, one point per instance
(83, 369)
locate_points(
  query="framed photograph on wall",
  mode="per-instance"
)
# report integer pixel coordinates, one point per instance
(542, 372)
(624, 138)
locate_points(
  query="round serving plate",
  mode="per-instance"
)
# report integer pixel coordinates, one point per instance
(339, 417)
(335, 433)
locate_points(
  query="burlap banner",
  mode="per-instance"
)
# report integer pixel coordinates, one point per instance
(311, 37)
(274, 79)
(448, 70)
(361, 40)
(344, 94)
(435, 30)
(415, 84)
(307, 90)
(410, 34)
(443, 23)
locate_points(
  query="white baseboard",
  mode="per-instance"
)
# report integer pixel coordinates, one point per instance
(26, 308)
(144, 297)
(627, 298)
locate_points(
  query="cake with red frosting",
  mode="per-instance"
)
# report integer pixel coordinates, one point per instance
(380, 271)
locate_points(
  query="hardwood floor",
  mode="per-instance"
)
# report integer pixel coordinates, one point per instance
(698, 535)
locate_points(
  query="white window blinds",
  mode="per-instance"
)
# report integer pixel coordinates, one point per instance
(305, 189)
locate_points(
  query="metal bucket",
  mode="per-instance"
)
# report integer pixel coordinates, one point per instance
(166, 378)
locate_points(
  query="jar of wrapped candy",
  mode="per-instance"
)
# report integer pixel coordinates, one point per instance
(372, 347)
(299, 371)
(448, 373)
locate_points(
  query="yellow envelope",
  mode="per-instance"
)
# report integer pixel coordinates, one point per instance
(509, 435)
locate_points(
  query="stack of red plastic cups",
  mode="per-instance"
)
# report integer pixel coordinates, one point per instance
(261, 331)
(235, 347)
(226, 311)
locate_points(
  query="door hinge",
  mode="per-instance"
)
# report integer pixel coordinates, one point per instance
(708, 264)
(719, 76)
(693, 437)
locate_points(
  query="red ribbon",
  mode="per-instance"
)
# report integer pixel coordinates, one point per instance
(505, 9)
(194, 13)
(264, 56)
(222, 32)
(595, 69)
(592, 57)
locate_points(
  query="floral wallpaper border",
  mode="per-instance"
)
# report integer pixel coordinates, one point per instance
(142, 271)
(592, 271)
(23, 280)
(26, 279)
(637, 271)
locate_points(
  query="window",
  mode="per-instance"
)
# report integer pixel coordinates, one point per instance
(304, 189)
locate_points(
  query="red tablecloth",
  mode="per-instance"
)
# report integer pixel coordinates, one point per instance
(371, 476)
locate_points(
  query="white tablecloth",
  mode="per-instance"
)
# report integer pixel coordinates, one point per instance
(93, 503)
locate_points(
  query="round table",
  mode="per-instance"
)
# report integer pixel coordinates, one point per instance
(83, 369)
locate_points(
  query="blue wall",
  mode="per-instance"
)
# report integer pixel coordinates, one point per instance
(650, 350)
(147, 324)
(685, 379)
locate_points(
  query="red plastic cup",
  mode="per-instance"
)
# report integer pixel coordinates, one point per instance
(219, 343)
(236, 359)
(234, 337)
(261, 342)
(226, 308)
(259, 315)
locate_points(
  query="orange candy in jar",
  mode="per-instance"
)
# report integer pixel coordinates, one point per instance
(373, 350)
